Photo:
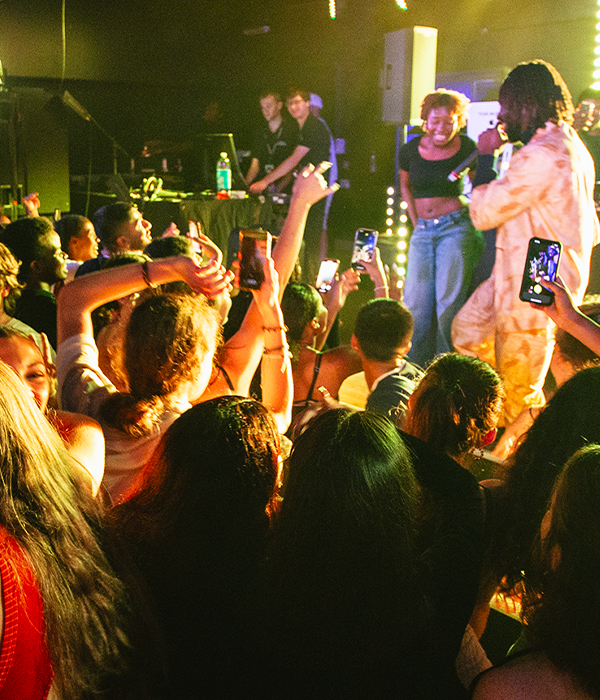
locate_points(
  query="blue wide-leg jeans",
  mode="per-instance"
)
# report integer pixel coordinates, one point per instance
(442, 256)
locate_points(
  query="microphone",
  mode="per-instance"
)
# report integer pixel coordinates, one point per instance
(460, 169)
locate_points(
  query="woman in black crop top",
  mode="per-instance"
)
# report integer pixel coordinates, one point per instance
(445, 246)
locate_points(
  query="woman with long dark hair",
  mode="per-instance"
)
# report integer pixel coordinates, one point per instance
(196, 525)
(561, 606)
(570, 420)
(353, 609)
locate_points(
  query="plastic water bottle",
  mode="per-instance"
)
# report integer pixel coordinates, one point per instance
(223, 177)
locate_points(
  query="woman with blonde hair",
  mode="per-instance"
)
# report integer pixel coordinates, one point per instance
(61, 601)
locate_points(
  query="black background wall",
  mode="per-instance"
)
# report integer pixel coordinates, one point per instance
(146, 69)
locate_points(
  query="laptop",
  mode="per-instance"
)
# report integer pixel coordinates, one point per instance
(200, 167)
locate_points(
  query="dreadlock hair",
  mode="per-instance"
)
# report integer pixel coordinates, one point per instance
(539, 87)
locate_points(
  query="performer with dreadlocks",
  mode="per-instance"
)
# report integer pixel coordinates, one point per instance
(547, 192)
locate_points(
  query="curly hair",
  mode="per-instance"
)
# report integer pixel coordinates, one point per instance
(538, 87)
(163, 338)
(9, 271)
(456, 102)
(27, 240)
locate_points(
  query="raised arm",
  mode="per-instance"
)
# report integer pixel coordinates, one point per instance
(84, 294)
(276, 370)
(568, 317)
(310, 186)
(346, 283)
(377, 274)
(242, 352)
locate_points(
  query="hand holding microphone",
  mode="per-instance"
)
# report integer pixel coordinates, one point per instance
(490, 141)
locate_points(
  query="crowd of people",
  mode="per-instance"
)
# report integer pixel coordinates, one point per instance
(188, 510)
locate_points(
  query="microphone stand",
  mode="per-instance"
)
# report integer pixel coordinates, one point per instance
(69, 101)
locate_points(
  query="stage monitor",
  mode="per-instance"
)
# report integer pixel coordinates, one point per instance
(200, 166)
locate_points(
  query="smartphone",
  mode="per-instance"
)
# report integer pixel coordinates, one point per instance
(326, 274)
(541, 264)
(365, 240)
(255, 248)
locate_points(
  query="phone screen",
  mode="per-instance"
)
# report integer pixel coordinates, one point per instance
(255, 248)
(541, 264)
(365, 240)
(326, 274)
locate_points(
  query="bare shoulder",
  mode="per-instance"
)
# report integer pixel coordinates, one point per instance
(529, 677)
(84, 440)
(343, 358)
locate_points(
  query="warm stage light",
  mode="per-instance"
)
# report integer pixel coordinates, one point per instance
(389, 211)
(402, 231)
(389, 222)
(595, 86)
(388, 232)
(390, 190)
(390, 201)
(403, 205)
(403, 218)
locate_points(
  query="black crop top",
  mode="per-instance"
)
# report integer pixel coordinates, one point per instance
(429, 178)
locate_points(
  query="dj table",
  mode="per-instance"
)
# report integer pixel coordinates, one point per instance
(217, 217)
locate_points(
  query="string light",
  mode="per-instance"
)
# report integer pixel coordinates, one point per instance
(596, 73)
(402, 4)
(332, 9)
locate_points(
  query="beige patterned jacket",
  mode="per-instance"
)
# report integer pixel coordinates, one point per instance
(547, 192)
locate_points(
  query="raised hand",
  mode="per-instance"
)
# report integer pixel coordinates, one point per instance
(310, 185)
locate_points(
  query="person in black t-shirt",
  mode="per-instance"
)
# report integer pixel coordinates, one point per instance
(37, 245)
(445, 246)
(273, 142)
(313, 147)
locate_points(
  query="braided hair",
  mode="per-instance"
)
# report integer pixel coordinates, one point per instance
(539, 87)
